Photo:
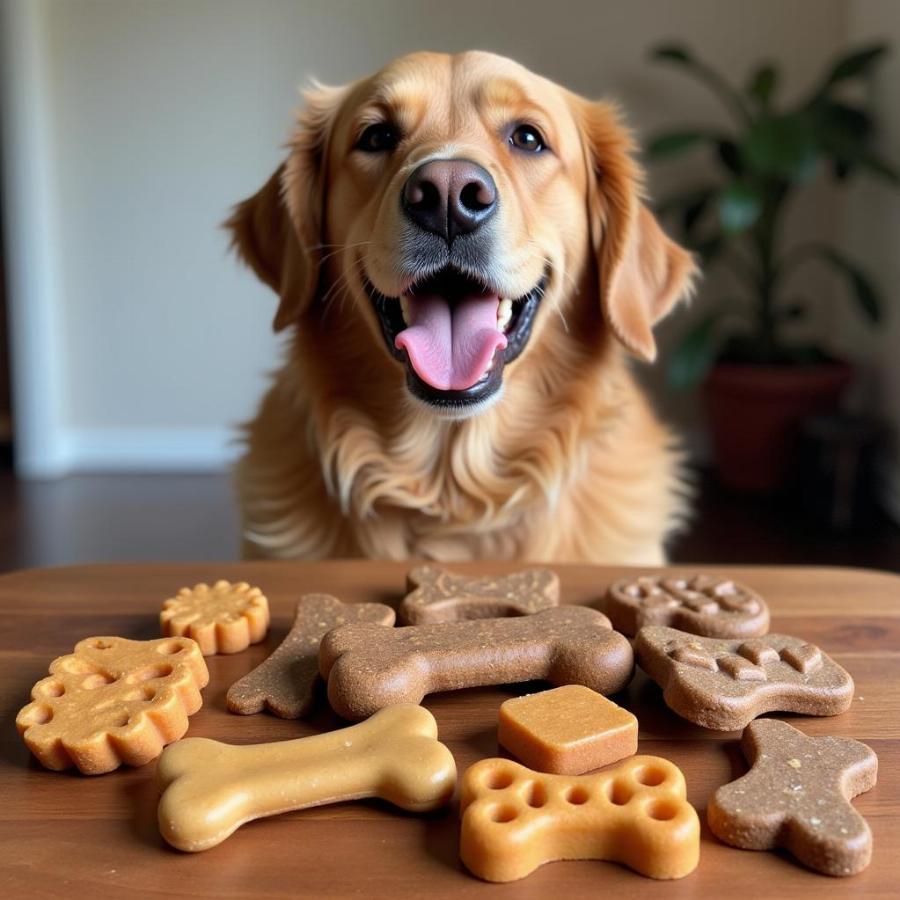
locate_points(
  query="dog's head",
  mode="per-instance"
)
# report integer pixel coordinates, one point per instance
(460, 201)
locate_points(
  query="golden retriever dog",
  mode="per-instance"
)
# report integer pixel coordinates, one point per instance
(464, 264)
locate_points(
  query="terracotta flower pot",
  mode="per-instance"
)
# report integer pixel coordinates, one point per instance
(754, 412)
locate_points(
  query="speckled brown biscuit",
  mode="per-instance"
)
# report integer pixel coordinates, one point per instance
(284, 683)
(700, 604)
(437, 595)
(369, 667)
(724, 684)
(113, 701)
(797, 796)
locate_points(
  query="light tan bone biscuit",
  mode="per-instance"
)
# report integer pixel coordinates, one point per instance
(437, 595)
(724, 684)
(515, 820)
(369, 667)
(797, 796)
(700, 604)
(284, 683)
(210, 789)
(224, 618)
(113, 701)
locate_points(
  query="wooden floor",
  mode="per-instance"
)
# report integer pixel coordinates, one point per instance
(125, 518)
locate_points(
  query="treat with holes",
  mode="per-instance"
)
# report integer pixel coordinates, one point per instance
(224, 618)
(284, 683)
(568, 730)
(436, 595)
(113, 701)
(515, 820)
(797, 796)
(724, 684)
(369, 667)
(699, 604)
(210, 789)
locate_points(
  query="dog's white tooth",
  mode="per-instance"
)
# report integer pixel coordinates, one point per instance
(404, 308)
(504, 314)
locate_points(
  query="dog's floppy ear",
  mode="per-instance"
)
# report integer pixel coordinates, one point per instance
(278, 231)
(642, 272)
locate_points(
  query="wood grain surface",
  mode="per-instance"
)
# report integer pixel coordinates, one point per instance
(64, 834)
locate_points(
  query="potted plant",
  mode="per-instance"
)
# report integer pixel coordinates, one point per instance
(758, 382)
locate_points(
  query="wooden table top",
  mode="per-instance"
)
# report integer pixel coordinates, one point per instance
(63, 833)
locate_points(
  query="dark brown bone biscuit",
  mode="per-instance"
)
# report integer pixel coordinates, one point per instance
(368, 667)
(797, 796)
(284, 683)
(725, 684)
(714, 607)
(440, 596)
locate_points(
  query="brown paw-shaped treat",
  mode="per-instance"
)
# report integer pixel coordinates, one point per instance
(713, 607)
(369, 667)
(113, 701)
(724, 684)
(284, 683)
(224, 618)
(440, 596)
(514, 819)
(797, 796)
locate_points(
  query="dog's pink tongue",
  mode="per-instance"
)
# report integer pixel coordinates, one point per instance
(450, 348)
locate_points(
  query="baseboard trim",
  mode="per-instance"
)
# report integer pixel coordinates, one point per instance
(137, 449)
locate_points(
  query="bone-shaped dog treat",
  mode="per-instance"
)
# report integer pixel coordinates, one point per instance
(515, 819)
(797, 796)
(285, 682)
(210, 789)
(712, 607)
(440, 596)
(369, 667)
(224, 618)
(113, 701)
(724, 684)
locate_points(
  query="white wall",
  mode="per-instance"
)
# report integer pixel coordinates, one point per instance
(161, 114)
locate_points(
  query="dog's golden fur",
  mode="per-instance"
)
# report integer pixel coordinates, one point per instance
(570, 464)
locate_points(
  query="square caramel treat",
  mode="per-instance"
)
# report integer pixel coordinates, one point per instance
(568, 730)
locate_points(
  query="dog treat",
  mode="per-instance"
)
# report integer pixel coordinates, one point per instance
(700, 604)
(284, 683)
(725, 684)
(369, 667)
(797, 796)
(440, 596)
(224, 618)
(514, 819)
(568, 730)
(113, 701)
(210, 789)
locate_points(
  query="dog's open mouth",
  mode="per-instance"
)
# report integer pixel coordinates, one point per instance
(455, 336)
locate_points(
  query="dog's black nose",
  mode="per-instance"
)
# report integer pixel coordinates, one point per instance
(450, 196)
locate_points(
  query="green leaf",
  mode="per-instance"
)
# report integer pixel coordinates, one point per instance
(856, 63)
(863, 290)
(762, 84)
(672, 143)
(781, 146)
(695, 354)
(739, 207)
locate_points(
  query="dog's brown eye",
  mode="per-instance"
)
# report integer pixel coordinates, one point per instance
(382, 137)
(528, 138)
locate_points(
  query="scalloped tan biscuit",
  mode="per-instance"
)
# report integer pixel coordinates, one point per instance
(515, 820)
(224, 618)
(113, 701)
(699, 604)
(725, 684)
(436, 595)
